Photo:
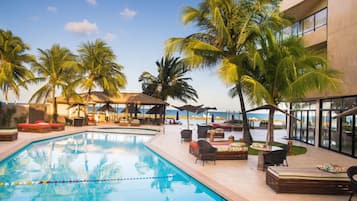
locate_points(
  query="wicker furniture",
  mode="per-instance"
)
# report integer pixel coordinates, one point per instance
(206, 152)
(352, 172)
(306, 181)
(225, 150)
(186, 135)
(8, 134)
(277, 157)
(202, 130)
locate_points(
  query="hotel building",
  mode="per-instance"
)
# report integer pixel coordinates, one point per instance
(330, 27)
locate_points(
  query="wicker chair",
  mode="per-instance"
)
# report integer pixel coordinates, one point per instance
(186, 135)
(206, 152)
(202, 131)
(352, 172)
(274, 158)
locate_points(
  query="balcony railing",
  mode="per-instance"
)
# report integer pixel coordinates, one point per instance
(307, 25)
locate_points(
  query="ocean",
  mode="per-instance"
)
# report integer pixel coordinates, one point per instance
(219, 116)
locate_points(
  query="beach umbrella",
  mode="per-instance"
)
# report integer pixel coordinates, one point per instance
(177, 116)
(348, 112)
(205, 109)
(269, 107)
(131, 109)
(157, 109)
(106, 107)
(189, 108)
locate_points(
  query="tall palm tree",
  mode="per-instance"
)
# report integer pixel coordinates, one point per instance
(13, 56)
(56, 67)
(170, 81)
(226, 27)
(99, 69)
(286, 71)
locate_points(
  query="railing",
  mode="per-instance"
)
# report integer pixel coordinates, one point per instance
(304, 26)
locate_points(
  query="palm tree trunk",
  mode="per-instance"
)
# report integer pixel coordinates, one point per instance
(246, 132)
(270, 130)
(54, 106)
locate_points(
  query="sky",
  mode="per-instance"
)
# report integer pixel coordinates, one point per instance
(136, 30)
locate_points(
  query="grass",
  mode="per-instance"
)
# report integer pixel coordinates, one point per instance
(297, 150)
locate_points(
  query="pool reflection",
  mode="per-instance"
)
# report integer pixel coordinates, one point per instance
(116, 166)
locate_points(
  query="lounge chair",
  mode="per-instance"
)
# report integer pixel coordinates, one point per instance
(306, 181)
(123, 122)
(36, 128)
(216, 133)
(352, 172)
(135, 122)
(8, 134)
(206, 152)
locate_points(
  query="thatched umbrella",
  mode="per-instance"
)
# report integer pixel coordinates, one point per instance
(348, 112)
(270, 134)
(189, 108)
(106, 107)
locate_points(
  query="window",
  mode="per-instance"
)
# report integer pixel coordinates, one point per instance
(286, 33)
(308, 24)
(321, 18)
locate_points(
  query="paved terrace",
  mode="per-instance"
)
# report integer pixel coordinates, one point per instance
(234, 179)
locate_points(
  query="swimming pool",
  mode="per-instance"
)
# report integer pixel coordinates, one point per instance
(96, 166)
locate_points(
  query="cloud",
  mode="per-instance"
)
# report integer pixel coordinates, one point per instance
(83, 27)
(109, 37)
(93, 2)
(127, 13)
(51, 9)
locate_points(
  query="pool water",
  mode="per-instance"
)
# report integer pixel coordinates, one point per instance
(96, 166)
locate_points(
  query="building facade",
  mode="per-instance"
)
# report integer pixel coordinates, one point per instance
(330, 27)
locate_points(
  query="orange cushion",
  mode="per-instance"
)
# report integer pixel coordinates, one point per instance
(193, 144)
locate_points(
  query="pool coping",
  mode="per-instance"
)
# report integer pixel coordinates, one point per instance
(9, 148)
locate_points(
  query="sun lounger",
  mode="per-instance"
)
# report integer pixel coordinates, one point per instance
(135, 122)
(228, 126)
(40, 127)
(307, 181)
(36, 128)
(8, 134)
(123, 122)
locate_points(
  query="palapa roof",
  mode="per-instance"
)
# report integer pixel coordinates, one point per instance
(120, 98)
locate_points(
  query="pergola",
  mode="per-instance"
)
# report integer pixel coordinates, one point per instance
(130, 100)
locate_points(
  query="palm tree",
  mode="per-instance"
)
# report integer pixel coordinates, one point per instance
(57, 69)
(98, 67)
(170, 81)
(227, 27)
(286, 71)
(13, 73)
